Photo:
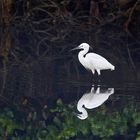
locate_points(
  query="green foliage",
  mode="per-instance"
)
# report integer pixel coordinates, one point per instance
(7, 122)
(65, 125)
(138, 136)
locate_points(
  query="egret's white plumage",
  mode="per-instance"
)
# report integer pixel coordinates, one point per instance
(92, 100)
(92, 61)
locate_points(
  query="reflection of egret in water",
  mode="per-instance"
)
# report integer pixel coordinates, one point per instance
(92, 61)
(92, 100)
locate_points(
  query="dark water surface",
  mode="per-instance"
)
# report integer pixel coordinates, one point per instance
(114, 111)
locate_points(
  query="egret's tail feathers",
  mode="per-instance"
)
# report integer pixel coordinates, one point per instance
(112, 68)
(111, 90)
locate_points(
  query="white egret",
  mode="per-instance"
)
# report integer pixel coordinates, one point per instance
(92, 100)
(92, 61)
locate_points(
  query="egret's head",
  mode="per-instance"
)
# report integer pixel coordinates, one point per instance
(82, 46)
(82, 116)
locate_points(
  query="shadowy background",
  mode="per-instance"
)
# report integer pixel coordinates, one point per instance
(36, 65)
(36, 36)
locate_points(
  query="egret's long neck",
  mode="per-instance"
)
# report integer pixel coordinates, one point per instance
(81, 54)
(81, 109)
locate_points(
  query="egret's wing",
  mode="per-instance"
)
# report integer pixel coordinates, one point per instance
(97, 62)
(95, 56)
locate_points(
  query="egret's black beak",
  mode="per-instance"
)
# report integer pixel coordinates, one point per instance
(91, 48)
(75, 114)
(76, 48)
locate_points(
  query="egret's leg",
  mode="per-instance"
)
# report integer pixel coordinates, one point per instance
(99, 73)
(93, 72)
(92, 90)
(98, 90)
(93, 77)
